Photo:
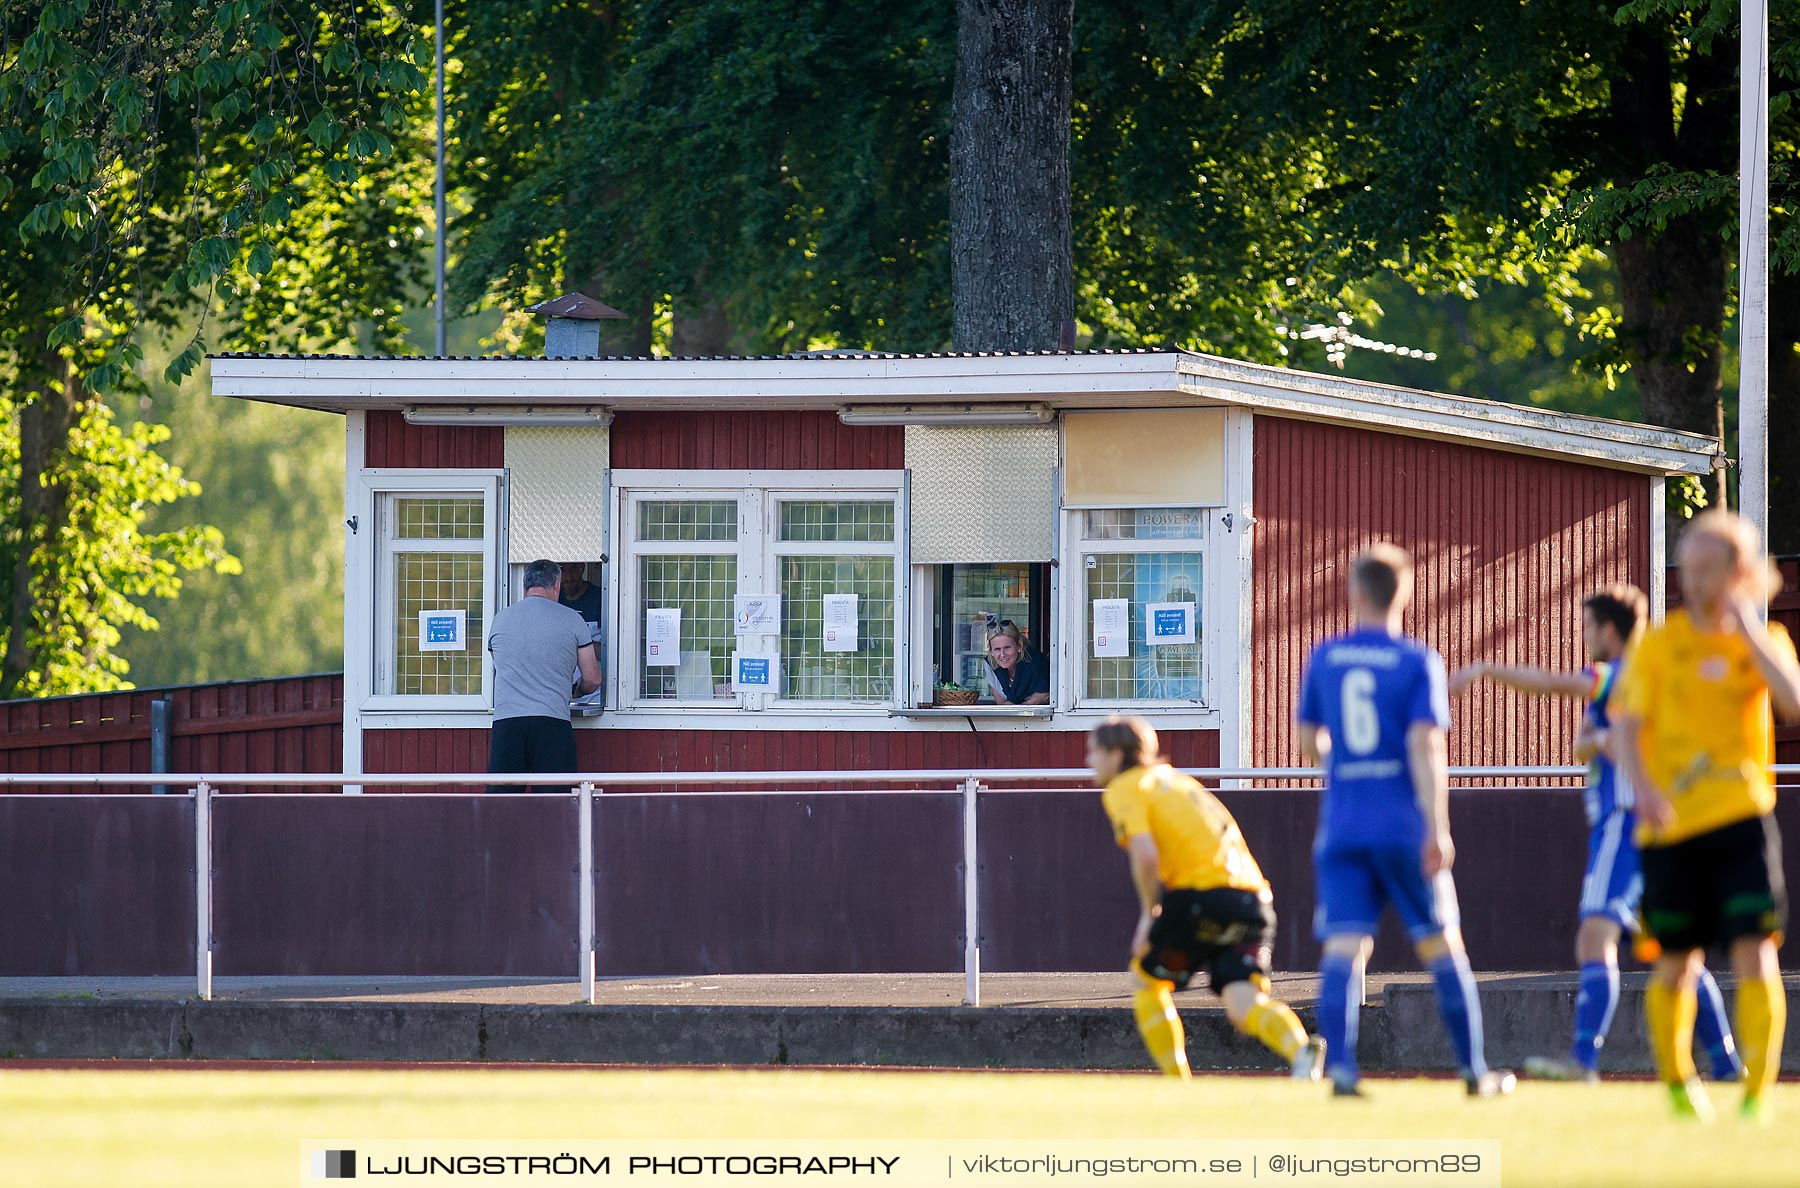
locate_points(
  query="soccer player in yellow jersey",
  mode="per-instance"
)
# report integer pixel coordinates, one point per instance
(1206, 905)
(1695, 734)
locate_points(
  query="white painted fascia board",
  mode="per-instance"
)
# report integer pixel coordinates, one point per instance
(1453, 418)
(354, 382)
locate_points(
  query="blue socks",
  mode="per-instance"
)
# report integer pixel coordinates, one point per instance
(1714, 1032)
(1460, 1010)
(1338, 1017)
(1594, 1007)
(1599, 998)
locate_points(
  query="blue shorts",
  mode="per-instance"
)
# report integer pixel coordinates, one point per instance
(1613, 884)
(1353, 887)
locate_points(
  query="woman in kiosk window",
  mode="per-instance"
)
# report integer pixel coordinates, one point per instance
(1016, 675)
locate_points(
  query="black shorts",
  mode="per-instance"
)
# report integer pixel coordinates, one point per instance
(1224, 931)
(1711, 889)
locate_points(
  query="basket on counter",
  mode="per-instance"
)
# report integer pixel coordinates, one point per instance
(944, 697)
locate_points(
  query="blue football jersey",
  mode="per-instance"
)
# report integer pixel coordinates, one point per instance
(1607, 791)
(1368, 688)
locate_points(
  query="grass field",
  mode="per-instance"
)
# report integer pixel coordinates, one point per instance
(189, 1127)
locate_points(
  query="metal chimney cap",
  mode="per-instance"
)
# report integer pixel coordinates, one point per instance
(579, 306)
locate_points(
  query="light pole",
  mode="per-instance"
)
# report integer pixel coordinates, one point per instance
(1753, 265)
(438, 185)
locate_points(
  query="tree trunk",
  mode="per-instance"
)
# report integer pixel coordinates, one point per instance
(1011, 252)
(700, 326)
(1673, 281)
(45, 420)
(1784, 414)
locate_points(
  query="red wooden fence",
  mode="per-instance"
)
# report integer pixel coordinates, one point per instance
(285, 724)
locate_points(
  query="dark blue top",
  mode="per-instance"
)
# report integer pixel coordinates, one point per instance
(1368, 688)
(1030, 675)
(588, 605)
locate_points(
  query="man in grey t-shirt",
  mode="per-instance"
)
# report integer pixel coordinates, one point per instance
(537, 643)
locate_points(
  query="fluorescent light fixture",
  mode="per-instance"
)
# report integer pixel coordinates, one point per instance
(949, 414)
(439, 414)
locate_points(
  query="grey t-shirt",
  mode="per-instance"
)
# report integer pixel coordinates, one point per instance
(535, 642)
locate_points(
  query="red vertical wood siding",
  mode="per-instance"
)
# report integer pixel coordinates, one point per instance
(457, 751)
(775, 440)
(388, 440)
(1506, 545)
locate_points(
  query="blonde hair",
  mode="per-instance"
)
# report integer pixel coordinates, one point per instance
(1757, 574)
(1011, 632)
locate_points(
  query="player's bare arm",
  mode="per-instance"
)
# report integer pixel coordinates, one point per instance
(1775, 664)
(1526, 678)
(1315, 742)
(1653, 802)
(1140, 848)
(1430, 765)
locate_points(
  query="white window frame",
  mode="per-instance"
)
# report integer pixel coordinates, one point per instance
(759, 494)
(1077, 547)
(369, 630)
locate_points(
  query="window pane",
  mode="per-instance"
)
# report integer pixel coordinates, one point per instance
(688, 519)
(1164, 673)
(437, 581)
(702, 587)
(809, 672)
(438, 518)
(1147, 523)
(869, 519)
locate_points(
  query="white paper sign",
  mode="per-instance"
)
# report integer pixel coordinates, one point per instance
(662, 637)
(840, 622)
(753, 673)
(443, 630)
(1112, 627)
(757, 614)
(1169, 623)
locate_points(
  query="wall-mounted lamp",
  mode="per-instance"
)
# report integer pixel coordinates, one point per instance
(523, 415)
(949, 414)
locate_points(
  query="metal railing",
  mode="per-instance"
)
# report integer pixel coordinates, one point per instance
(586, 786)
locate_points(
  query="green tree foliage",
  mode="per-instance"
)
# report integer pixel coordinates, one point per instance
(158, 161)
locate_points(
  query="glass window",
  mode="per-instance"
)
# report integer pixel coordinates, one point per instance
(1144, 556)
(688, 519)
(854, 520)
(433, 558)
(701, 587)
(809, 672)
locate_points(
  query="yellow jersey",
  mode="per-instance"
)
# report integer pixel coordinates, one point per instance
(1708, 734)
(1198, 845)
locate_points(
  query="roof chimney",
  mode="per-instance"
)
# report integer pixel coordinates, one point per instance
(573, 330)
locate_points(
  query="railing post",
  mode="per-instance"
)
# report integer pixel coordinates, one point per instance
(585, 819)
(203, 889)
(971, 897)
(1359, 978)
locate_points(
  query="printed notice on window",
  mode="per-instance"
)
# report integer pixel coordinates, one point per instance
(1112, 627)
(840, 622)
(443, 630)
(753, 673)
(757, 614)
(1169, 623)
(662, 637)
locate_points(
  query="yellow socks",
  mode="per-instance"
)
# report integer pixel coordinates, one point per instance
(1277, 1027)
(1160, 1026)
(1761, 1022)
(1669, 1016)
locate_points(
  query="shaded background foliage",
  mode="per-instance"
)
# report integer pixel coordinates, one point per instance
(1526, 191)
